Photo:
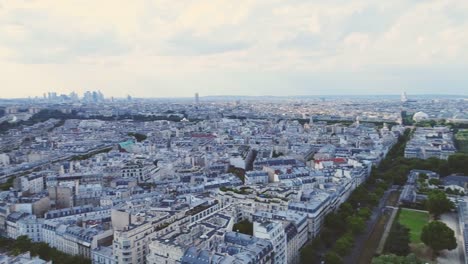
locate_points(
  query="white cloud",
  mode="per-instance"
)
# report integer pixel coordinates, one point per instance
(81, 44)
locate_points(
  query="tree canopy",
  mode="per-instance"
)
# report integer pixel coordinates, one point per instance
(458, 162)
(43, 250)
(356, 224)
(138, 136)
(438, 203)
(244, 227)
(438, 236)
(333, 258)
(386, 259)
(398, 240)
(344, 244)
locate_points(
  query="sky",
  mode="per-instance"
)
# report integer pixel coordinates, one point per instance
(167, 48)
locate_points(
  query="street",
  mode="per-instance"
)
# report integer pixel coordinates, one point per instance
(356, 252)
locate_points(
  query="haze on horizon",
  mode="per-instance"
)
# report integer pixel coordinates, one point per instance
(168, 48)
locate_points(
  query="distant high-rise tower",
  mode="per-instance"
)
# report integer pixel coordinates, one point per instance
(404, 97)
(197, 99)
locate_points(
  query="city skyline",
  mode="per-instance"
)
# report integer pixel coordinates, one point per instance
(166, 49)
(102, 181)
(233, 132)
(74, 96)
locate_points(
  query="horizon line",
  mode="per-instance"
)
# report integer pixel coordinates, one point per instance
(273, 96)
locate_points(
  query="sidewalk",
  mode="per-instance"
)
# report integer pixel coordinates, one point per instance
(388, 227)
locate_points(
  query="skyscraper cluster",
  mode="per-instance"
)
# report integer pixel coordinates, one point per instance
(88, 96)
(93, 96)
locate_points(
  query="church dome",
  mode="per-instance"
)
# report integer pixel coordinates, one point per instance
(419, 116)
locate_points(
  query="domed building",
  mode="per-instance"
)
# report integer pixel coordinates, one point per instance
(420, 116)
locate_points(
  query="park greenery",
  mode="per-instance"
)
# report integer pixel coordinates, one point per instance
(242, 190)
(437, 203)
(435, 182)
(406, 230)
(414, 220)
(456, 163)
(344, 244)
(341, 227)
(89, 155)
(138, 136)
(23, 244)
(412, 227)
(240, 173)
(438, 236)
(46, 114)
(392, 258)
(454, 192)
(461, 140)
(422, 177)
(41, 116)
(408, 121)
(398, 240)
(7, 185)
(244, 227)
(347, 222)
(406, 118)
(333, 258)
(277, 154)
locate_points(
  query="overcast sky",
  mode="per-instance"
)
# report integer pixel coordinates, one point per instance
(242, 47)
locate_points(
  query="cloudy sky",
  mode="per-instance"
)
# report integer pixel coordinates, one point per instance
(223, 47)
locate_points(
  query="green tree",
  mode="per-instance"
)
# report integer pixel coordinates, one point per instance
(356, 224)
(332, 220)
(398, 240)
(277, 154)
(328, 236)
(438, 236)
(7, 185)
(379, 191)
(5, 243)
(43, 250)
(435, 182)
(244, 227)
(438, 203)
(22, 244)
(454, 191)
(388, 259)
(346, 209)
(309, 251)
(240, 173)
(364, 213)
(362, 197)
(382, 184)
(335, 222)
(458, 163)
(333, 258)
(344, 244)
(138, 136)
(373, 199)
(423, 176)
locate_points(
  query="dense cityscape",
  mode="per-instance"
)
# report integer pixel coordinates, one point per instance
(233, 132)
(227, 179)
